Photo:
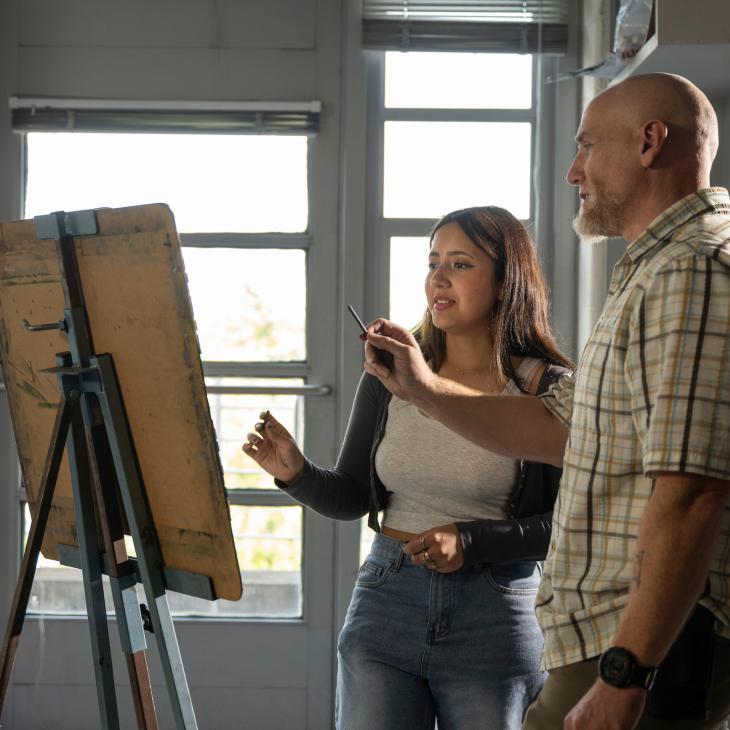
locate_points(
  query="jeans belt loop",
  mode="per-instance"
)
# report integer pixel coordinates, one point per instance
(398, 560)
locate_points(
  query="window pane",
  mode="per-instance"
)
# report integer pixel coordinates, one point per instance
(213, 183)
(235, 415)
(249, 304)
(56, 588)
(408, 268)
(458, 80)
(432, 168)
(269, 548)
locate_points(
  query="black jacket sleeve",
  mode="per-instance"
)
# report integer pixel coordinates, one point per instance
(506, 541)
(525, 535)
(343, 493)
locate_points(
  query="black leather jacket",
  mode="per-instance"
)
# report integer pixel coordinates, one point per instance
(353, 487)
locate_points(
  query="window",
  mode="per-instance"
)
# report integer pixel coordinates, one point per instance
(241, 206)
(458, 81)
(456, 132)
(406, 296)
(448, 131)
(453, 130)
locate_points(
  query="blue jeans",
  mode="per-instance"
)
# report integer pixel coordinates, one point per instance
(462, 648)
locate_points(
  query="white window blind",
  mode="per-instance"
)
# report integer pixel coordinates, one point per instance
(516, 26)
(184, 117)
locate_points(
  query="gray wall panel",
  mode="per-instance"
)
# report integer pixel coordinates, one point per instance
(78, 23)
(189, 74)
(254, 709)
(46, 644)
(169, 24)
(721, 168)
(58, 707)
(256, 24)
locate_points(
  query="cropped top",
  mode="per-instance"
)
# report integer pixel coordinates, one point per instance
(435, 477)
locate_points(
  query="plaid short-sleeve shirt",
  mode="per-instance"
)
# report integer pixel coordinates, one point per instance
(651, 394)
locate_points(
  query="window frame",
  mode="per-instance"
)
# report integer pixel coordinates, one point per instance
(234, 369)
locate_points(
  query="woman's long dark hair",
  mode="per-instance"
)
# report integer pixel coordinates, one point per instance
(520, 320)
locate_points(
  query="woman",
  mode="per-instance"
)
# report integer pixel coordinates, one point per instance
(447, 632)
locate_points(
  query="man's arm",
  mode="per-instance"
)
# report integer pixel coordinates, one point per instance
(512, 425)
(674, 546)
(516, 426)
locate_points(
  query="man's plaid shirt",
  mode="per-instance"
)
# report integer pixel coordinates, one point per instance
(651, 393)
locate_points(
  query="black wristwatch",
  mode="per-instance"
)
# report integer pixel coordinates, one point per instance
(619, 668)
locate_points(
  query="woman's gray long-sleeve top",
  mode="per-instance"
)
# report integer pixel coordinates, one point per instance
(353, 488)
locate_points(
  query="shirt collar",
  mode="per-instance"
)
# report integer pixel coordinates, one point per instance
(703, 201)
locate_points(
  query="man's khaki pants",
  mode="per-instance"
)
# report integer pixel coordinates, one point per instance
(566, 685)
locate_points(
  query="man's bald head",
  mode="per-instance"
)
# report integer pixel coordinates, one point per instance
(643, 145)
(671, 99)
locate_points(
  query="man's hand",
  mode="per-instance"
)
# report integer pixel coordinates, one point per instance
(409, 376)
(438, 548)
(605, 707)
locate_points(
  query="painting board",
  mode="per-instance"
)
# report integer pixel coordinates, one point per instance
(139, 310)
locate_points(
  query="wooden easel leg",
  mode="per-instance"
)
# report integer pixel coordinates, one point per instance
(33, 546)
(78, 457)
(144, 704)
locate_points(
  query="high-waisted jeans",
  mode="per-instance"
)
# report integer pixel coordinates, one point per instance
(462, 648)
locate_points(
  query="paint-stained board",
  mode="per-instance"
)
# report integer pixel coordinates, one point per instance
(139, 310)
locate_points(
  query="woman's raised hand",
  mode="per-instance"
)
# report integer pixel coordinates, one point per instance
(274, 450)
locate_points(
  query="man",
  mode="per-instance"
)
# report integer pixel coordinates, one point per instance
(641, 531)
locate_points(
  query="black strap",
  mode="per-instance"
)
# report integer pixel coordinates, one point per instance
(550, 375)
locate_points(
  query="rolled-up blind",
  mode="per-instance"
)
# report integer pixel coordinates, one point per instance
(89, 115)
(508, 26)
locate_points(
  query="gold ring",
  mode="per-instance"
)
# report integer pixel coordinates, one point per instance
(423, 542)
(426, 557)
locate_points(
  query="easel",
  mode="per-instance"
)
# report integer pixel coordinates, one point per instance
(91, 424)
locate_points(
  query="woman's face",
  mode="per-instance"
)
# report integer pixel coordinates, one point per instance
(461, 286)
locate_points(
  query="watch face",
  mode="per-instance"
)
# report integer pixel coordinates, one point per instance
(615, 666)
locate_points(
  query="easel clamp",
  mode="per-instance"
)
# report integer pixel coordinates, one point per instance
(62, 224)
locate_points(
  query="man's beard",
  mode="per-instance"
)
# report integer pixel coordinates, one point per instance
(602, 220)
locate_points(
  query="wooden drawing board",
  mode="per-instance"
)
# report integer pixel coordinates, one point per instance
(139, 311)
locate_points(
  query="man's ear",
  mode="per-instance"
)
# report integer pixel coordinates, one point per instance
(654, 134)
